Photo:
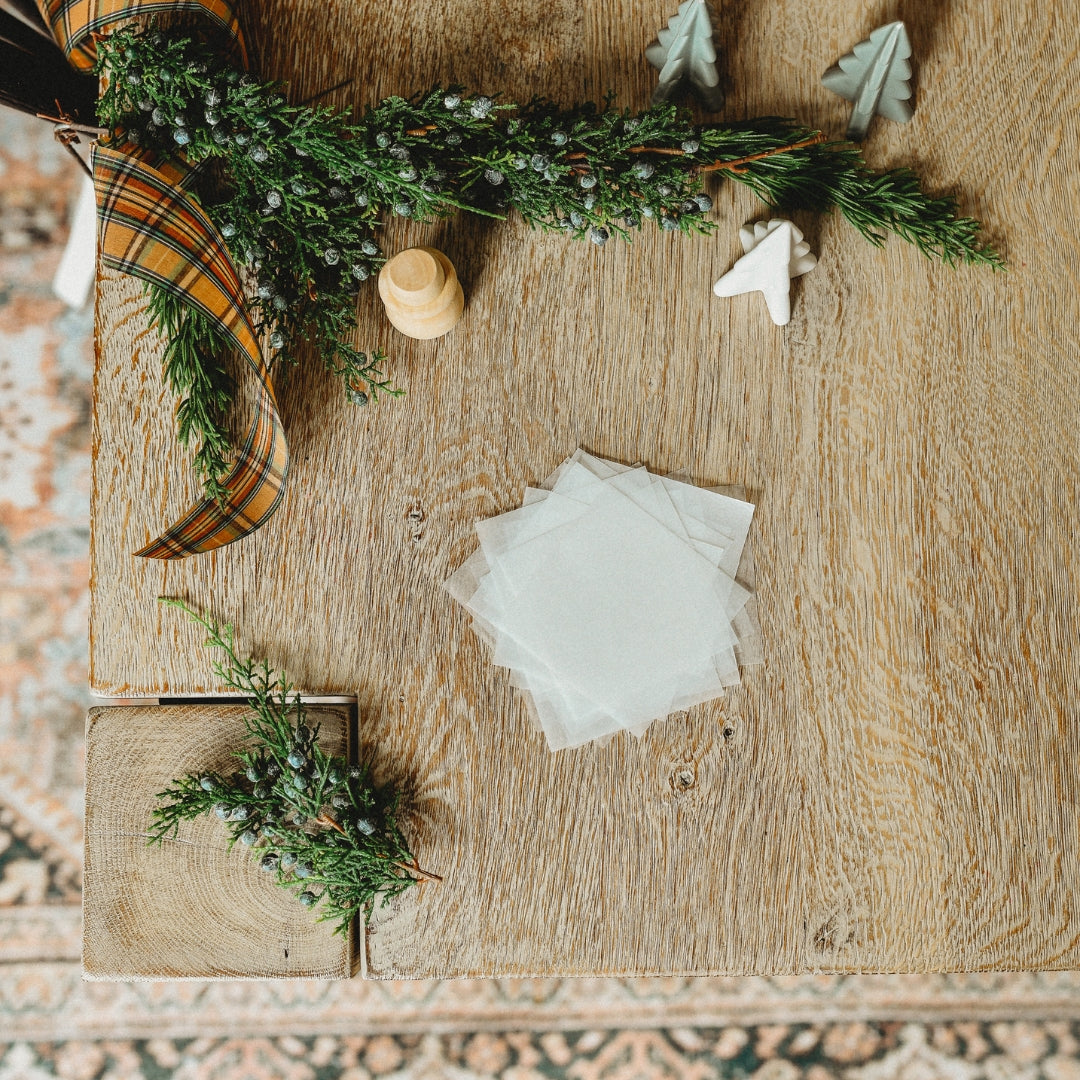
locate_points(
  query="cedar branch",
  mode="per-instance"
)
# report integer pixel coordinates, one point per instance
(733, 166)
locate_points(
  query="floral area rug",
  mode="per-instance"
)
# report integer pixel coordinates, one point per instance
(53, 1024)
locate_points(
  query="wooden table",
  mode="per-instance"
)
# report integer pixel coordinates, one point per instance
(896, 788)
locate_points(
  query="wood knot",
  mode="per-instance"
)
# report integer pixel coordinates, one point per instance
(683, 778)
(414, 519)
(834, 933)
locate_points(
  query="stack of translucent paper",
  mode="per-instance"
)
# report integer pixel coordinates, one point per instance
(611, 596)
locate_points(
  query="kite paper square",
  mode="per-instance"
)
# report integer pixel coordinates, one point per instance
(610, 595)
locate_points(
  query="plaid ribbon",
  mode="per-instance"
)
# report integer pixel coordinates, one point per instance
(75, 22)
(151, 228)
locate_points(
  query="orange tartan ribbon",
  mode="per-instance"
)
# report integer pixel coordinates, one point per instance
(74, 22)
(150, 227)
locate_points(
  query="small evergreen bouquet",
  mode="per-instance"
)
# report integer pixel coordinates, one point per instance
(319, 825)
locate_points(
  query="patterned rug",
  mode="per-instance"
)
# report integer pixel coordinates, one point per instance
(53, 1024)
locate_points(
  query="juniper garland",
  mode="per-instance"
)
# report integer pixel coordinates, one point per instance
(317, 824)
(298, 191)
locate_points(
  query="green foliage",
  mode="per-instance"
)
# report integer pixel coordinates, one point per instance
(298, 191)
(197, 377)
(822, 175)
(321, 826)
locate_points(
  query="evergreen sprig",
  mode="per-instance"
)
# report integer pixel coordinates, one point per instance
(298, 191)
(195, 373)
(320, 826)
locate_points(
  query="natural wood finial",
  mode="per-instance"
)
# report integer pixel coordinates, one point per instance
(421, 292)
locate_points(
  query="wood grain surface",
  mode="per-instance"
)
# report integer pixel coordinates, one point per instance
(188, 908)
(895, 789)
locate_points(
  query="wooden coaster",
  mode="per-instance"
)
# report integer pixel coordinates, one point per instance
(188, 908)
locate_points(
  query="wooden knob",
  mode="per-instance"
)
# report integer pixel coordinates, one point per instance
(415, 277)
(421, 292)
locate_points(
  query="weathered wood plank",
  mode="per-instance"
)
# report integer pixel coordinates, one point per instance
(898, 790)
(188, 908)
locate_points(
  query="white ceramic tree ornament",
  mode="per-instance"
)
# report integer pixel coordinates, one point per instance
(874, 75)
(685, 55)
(775, 253)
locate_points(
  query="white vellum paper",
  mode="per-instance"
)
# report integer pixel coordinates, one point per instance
(611, 597)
